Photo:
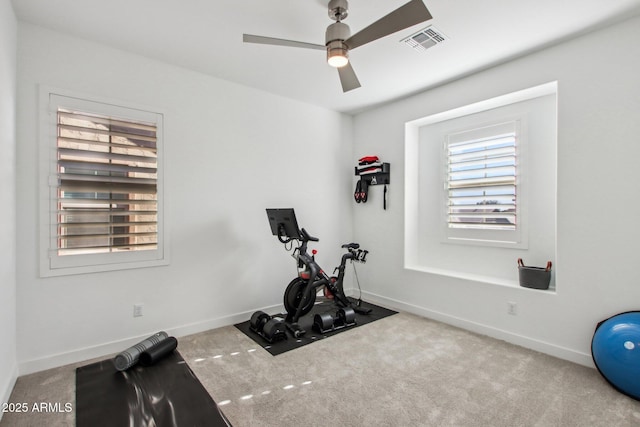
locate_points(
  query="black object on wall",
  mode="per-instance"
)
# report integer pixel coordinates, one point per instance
(371, 172)
(377, 176)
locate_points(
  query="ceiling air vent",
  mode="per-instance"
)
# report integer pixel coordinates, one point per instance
(425, 38)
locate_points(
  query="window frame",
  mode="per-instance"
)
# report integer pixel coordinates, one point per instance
(52, 264)
(516, 238)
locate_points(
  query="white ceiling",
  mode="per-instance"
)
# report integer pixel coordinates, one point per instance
(206, 36)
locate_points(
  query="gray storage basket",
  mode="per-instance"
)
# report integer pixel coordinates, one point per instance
(534, 277)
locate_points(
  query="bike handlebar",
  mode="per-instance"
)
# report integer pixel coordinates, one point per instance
(307, 237)
(351, 246)
(354, 251)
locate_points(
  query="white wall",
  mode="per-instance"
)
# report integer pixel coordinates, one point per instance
(8, 40)
(231, 152)
(597, 237)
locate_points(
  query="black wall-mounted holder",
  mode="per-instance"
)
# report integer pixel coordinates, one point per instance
(375, 178)
(367, 179)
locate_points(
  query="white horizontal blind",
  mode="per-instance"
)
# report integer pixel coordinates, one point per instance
(107, 184)
(481, 178)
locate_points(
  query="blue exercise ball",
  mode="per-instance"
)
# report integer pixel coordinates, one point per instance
(615, 349)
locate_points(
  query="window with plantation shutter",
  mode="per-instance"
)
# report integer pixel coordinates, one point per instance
(481, 180)
(105, 193)
(107, 196)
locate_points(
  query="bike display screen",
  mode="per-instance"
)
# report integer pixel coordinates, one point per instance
(283, 220)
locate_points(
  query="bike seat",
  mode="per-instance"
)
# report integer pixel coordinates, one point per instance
(306, 236)
(351, 245)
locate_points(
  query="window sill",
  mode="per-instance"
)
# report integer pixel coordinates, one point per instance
(47, 271)
(490, 280)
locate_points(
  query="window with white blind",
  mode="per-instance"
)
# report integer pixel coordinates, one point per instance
(105, 187)
(482, 184)
(481, 190)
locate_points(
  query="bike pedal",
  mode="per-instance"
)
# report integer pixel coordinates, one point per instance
(295, 330)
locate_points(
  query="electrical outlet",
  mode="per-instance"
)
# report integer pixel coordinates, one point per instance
(137, 310)
(512, 308)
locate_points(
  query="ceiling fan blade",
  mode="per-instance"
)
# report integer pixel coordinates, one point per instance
(250, 38)
(348, 78)
(405, 16)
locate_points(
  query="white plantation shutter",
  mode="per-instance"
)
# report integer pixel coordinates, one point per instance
(481, 180)
(107, 194)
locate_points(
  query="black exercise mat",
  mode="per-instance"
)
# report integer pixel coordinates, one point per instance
(166, 394)
(306, 322)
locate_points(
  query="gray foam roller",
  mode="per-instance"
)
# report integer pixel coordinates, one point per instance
(130, 356)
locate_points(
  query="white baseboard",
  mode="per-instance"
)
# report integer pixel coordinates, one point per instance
(8, 386)
(87, 353)
(92, 352)
(510, 337)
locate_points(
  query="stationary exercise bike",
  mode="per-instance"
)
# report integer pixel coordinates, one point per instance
(300, 294)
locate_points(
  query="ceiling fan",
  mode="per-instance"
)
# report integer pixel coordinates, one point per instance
(338, 38)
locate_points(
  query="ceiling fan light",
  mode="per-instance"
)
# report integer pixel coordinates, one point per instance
(338, 61)
(337, 54)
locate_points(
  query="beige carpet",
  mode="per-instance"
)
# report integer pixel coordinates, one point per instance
(403, 370)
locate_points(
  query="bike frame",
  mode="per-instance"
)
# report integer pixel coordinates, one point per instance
(318, 278)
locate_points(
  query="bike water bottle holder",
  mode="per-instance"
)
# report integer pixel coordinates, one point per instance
(295, 253)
